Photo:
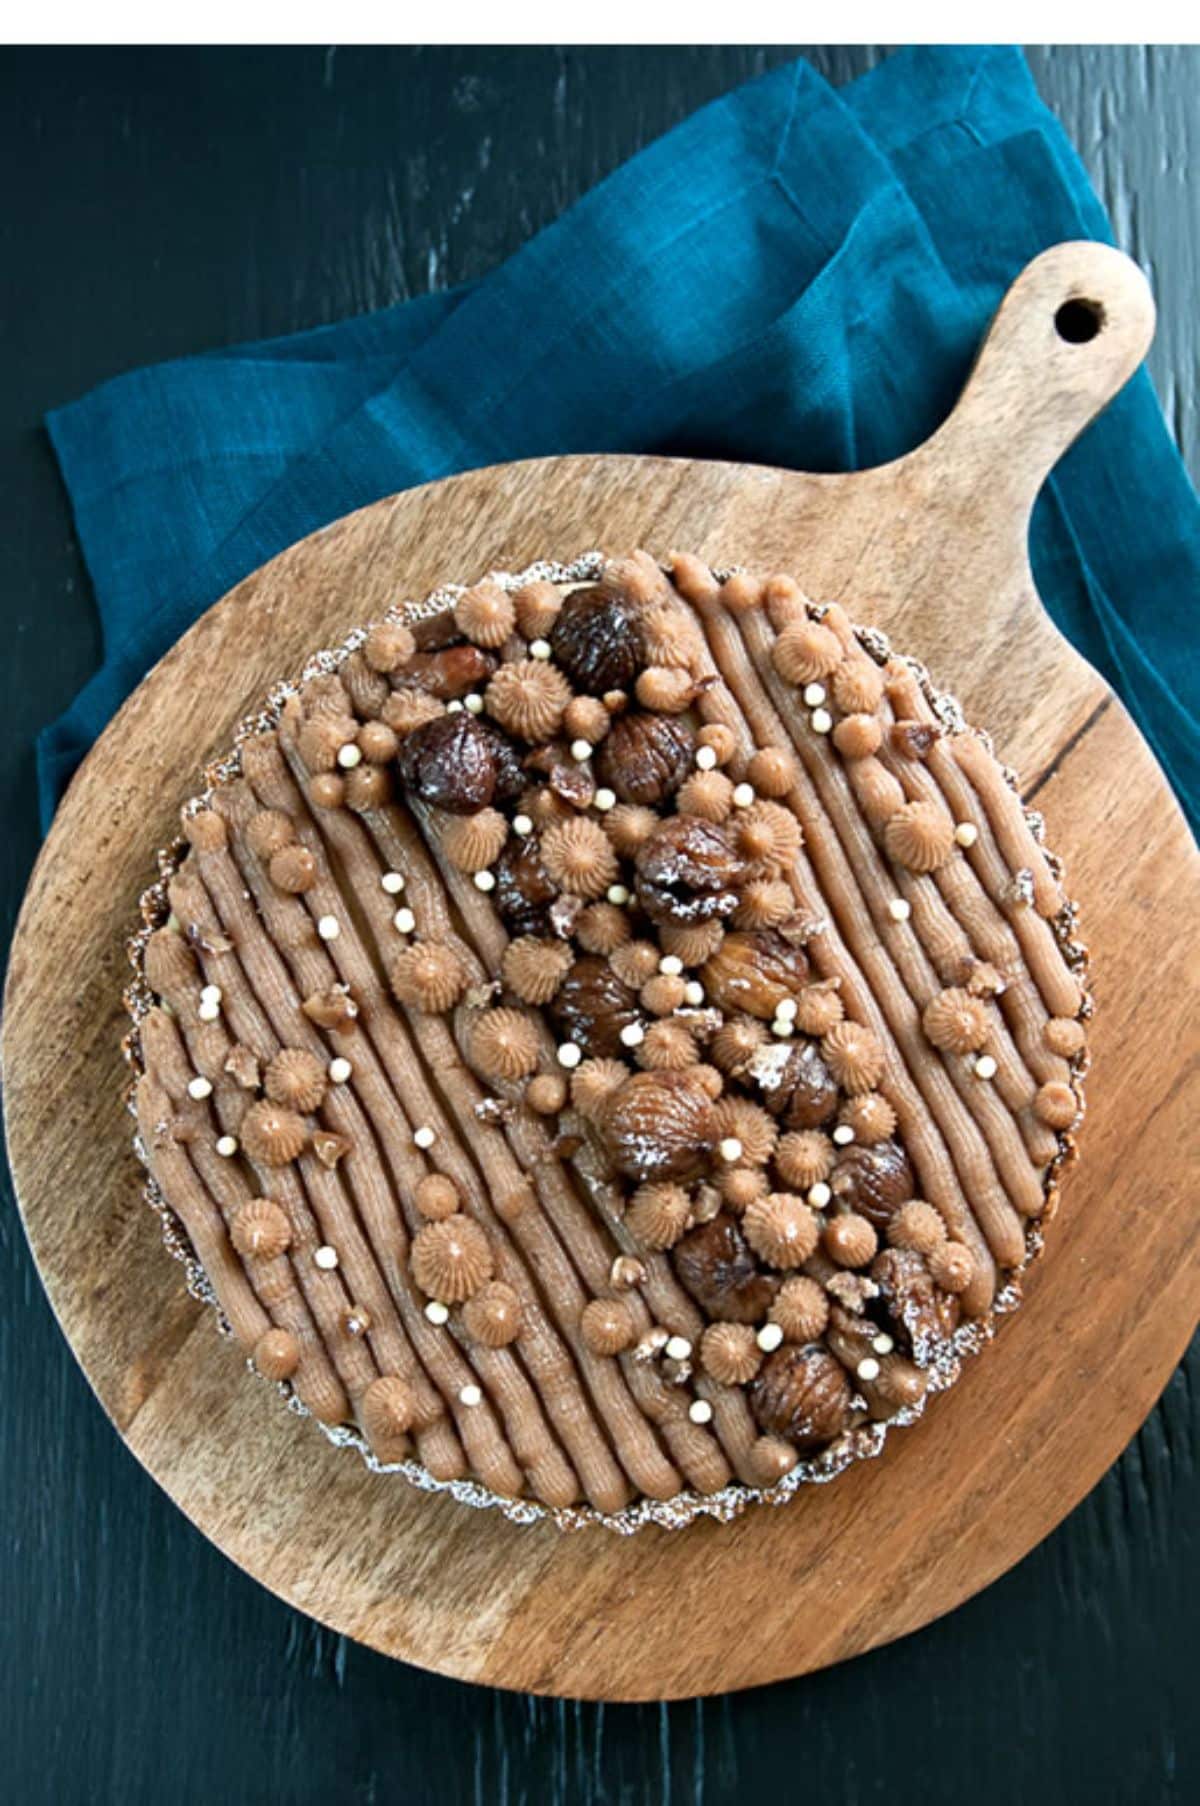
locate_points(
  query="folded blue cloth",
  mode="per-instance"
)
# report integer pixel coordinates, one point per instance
(795, 276)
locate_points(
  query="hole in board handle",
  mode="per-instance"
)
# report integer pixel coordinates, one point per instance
(1078, 321)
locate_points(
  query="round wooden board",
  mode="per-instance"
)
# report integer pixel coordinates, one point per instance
(932, 549)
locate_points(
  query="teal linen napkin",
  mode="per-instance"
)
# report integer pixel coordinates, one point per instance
(795, 275)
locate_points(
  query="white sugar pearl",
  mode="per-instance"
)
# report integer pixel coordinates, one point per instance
(437, 1312)
(820, 721)
(470, 1395)
(569, 1055)
(539, 649)
(883, 1344)
(211, 994)
(581, 750)
(424, 1138)
(730, 1149)
(473, 703)
(455, 707)
(632, 1035)
(326, 1258)
(819, 1195)
(404, 920)
(339, 1070)
(700, 1411)
(393, 883)
(814, 695)
(706, 758)
(670, 965)
(868, 1368)
(522, 824)
(743, 795)
(899, 909)
(769, 1337)
(209, 1012)
(843, 1135)
(329, 928)
(227, 1146)
(605, 799)
(787, 1010)
(485, 881)
(349, 756)
(617, 894)
(985, 1067)
(678, 1348)
(966, 833)
(199, 1088)
(785, 1030)
(693, 992)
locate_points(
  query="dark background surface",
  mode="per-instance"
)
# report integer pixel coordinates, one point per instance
(160, 202)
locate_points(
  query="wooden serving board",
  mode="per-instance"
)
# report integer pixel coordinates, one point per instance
(932, 549)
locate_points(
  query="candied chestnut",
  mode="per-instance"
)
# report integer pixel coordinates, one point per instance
(805, 1095)
(459, 764)
(592, 1006)
(803, 1395)
(574, 783)
(873, 1181)
(659, 1125)
(645, 758)
(596, 640)
(754, 972)
(447, 674)
(912, 1299)
(687, 872)
(714, 1263)
(524, 890)
(913, 739)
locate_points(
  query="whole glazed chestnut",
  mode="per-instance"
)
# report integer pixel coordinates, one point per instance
(645, 758)
(754, 971)
(592, 1006)
(458, 763)
(688, 871)
(873, 1181)
(659, 1125)
(597, 641)
(714, 1262)
(803, 1395)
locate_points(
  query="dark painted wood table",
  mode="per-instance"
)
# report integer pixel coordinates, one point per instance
(159, 202)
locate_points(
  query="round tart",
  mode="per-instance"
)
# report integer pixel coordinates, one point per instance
(608, 1040)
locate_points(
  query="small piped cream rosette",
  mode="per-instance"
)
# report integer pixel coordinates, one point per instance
(608, 1041)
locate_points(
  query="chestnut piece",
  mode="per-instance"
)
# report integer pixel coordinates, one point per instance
(806, 1096)
(913, 1301)
(646, 758)
(714, 1263)
(596, 641)
(592, 1006)
(524, 891)
(913, 739)
(448, 674)
(803, 1395)
(688, 871)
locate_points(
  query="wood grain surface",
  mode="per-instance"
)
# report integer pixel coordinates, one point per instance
(932, 549)
(334, 181)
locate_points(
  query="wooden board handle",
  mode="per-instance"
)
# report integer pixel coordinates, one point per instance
(1069, 333)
